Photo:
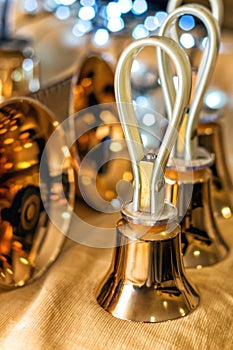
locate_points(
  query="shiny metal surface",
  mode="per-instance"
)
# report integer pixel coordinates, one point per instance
(210, 136)
(204, 71)
(148, 169)
(146, 281)
(19, 66)
(202, 243)
(29, 240)
(93, 84)
(98, 133)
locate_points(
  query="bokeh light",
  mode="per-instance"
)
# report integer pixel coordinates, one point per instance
(101, 37)
(140, 31)
(187, 40)
(187, 22)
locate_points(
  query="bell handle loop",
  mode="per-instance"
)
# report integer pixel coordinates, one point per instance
(204, 74)
(128, 118)
(217, 8)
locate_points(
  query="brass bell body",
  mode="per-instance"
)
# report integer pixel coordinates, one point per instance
(202, 244)
(146, 281)
(210, 136)
(30, 196)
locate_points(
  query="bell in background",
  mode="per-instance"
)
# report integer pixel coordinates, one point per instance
(146, 281)
(101, 155)
(210, 132)
(201, 237)
(19, 66)
(202, 243)
(34, 187)
(211, 136)
(107, 166)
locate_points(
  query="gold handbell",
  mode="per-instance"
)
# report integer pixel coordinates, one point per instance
(146, 281)
(190, 190)
(201, 238)
(102, 154)
(210, 136)
(36, 191)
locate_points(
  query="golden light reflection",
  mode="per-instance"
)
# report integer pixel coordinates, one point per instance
(226, 212)
(89, 118)
(13, 122)
(13, 128)
(27, 145)
(196, 253)
(6, 239)
(127, 176)
(86, 82)
(115, 146)
(3, 275)
(124, 300)
(163, 233)
(107, 117)
(24, 135)
(17, 149)
(9, 271)
(165, 304)
(24, 261)
(8, 141)
(56, 123)
(3, 131)
(8, 166)
(86, 180)
(17, 245)
(102, 132)
(109, 194)
(21, 283)
(182, 312)
(23, 165)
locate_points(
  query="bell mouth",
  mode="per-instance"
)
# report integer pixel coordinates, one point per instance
(146, 281)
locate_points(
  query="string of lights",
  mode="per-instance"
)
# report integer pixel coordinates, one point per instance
(140, 18)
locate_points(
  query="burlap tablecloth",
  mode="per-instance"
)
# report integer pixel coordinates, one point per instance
(59, 311)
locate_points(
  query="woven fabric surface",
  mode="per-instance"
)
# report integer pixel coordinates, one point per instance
(59, 311)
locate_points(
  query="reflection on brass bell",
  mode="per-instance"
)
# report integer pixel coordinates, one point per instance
(146, 281)
(202, 242)
(93, 84)
(19, 66)
(29, 240)
(210, 136)
(101, 151)
(210, 131)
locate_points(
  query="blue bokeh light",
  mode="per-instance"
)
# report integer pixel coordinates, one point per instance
(187, 22)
